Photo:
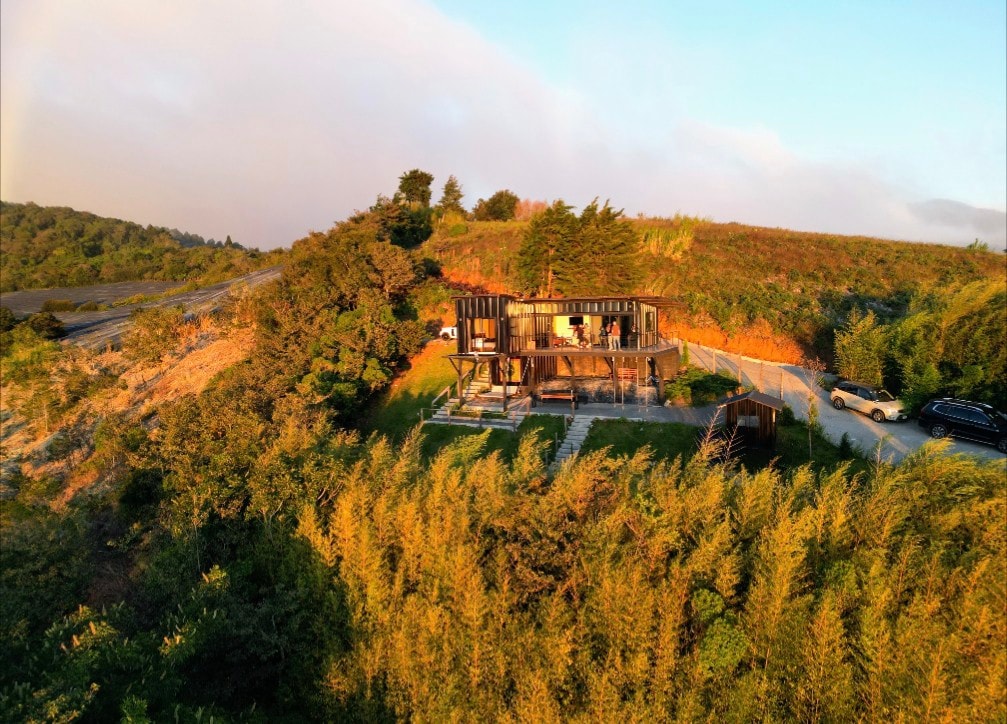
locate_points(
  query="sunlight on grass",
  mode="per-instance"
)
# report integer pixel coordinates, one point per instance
(549, 428)
(669, 440)
(398, 410)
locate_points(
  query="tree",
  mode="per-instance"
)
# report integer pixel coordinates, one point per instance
(499, 207)
(860, 346)
(603, 258)
(563, 254)
(398, 223)
(415, 187)
(451, 198)
(544, 248)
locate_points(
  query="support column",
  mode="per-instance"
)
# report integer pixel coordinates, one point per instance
(660, 378)
(506, 379)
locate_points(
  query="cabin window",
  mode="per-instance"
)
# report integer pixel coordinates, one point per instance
(484, 328)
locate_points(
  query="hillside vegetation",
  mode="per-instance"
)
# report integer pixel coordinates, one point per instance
(196, 528)
(46, 247)
(773, 293)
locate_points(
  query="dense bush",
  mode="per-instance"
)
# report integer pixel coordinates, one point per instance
(471, 588)
(951, 342)
(58, 305)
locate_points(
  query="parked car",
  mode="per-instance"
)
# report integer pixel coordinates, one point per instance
(870, 400)
(448, 333)
(968, 420)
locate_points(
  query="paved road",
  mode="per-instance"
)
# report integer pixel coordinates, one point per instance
(30, 301)
(99, 329)
(896, 439)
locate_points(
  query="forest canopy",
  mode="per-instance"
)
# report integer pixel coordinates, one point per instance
(46, 247)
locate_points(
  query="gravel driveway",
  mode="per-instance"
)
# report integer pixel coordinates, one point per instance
(896, 439)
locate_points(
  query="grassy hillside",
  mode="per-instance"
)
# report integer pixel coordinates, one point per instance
(45, 247)
(773, 293)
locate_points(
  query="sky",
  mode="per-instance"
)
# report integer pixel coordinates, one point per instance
(264, 120)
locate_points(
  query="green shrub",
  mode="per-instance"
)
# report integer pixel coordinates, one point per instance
(45, 325)
(7, 320)
(699, 387)
(58, 305)
(153, 334)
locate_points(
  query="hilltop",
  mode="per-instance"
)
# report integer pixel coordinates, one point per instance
(217, 520)
(56, 246)
(771, 293)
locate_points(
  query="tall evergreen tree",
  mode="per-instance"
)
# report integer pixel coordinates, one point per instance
(593, 254)
(603, 258)
(451, 198)
(545, 249)
(860, 347)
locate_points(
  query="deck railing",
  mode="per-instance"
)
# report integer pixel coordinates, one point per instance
(594, 340)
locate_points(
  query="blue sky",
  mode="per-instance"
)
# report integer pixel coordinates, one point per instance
(266, 119)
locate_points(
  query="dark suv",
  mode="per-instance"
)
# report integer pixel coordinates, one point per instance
(967, 420)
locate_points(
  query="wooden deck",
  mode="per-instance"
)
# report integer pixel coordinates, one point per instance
(656, 350)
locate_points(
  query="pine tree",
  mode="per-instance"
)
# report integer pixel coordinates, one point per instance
(545, 248)
(603, 258)
(451, 198)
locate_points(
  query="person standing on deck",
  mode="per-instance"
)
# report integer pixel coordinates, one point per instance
(616, 332)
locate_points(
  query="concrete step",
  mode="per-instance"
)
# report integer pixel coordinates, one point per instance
(472, 422)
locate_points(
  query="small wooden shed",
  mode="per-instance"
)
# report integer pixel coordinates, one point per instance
(753, 415)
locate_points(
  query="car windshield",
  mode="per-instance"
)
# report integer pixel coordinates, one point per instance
(883, 396)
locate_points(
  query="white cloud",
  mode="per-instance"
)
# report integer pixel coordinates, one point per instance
(264, 120)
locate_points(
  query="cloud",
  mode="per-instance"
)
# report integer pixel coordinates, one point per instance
(989, 223)
(263, 121)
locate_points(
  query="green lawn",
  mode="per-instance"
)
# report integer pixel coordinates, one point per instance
(548, 427)
(398, 410)
(669, 440)
(625, 437)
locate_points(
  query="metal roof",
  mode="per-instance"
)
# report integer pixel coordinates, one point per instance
(775, 402)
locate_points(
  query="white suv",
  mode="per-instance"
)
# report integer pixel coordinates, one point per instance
(870, 400)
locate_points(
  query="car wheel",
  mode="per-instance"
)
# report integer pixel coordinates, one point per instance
(445, 336)
(1002, 445)
(878, 416)
(838, 403)
(938, 431)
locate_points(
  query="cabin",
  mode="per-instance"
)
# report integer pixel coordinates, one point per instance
(520, 343)
(751, 417)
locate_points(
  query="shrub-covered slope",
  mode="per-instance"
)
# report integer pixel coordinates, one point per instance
(45, 247)
(770, 292)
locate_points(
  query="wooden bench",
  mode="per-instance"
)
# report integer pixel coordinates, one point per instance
(557, 395)
(627, 373)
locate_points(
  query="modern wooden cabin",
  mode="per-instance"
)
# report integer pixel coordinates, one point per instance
(519, 343)
(751, 417)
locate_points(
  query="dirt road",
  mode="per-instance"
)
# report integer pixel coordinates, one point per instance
(892, 440)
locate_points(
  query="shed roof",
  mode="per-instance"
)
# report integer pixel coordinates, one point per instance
(763, 399)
